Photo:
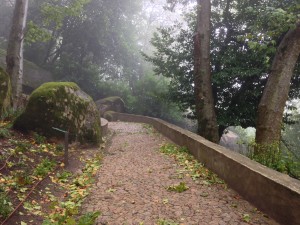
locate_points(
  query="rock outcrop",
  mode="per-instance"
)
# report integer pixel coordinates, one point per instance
(61, 105)
(33, 75)
(114, 103)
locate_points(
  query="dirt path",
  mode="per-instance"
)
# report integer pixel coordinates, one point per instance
(131, 187)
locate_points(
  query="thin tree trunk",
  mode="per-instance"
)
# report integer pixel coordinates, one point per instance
(14, 57)
(275, 95)
(207, 122)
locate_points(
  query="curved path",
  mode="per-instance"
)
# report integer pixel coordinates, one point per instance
(131, 187)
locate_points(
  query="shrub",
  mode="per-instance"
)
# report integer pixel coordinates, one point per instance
(4, 133)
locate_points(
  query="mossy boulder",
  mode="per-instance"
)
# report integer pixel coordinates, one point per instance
(62, 105)
(113, 103)
(5, 91)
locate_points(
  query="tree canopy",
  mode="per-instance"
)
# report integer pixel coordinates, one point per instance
(243, 47)
(98, 45)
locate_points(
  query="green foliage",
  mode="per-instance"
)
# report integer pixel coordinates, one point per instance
(4, 133)
(36, 34)
(63, 176)
(290, 132)
(89, 35)
(59, 148)
(273, 20)
(23, 178)
(44, 167)
(153, 99)
(247, 136)
(190, 165)
(10, 115)
(21, 146)
(88, 218)
(149, 97)
(178, 188)
(5, 205)
(274, 157)
(115, 88)
(39, 139)
(55, 14)
(237, 70)
(243, 44)
(246, 218)
(166, 222)
(78, 189)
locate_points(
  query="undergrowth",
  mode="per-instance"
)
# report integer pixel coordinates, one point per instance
(274, 157)
(77, 189)
(24, 162)
(5, 205)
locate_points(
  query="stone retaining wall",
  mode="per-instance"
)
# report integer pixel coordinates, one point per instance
(274, 193)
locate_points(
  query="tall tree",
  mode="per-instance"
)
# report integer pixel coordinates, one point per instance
(275, 95)
(207, 122)
(238, 71)
(14, 57)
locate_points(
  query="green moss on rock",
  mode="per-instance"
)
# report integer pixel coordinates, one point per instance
(5, 91)
(62, 105)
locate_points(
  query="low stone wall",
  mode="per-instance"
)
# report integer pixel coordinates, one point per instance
(275, 194)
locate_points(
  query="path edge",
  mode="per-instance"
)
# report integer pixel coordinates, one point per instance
(273, 193)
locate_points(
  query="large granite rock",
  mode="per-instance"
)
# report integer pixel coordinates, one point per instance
(65, 106)
(5, 91)
(33, 75)
(114, 103)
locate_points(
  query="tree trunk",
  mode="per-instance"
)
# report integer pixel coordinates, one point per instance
(14, 57)
(275, 95)
(207, 122)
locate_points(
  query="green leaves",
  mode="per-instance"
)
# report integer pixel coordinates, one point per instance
(246, 218)
(272, 21)
(178, 188)
(35, 33)
(88, 218)
(44, 167)
(192, 167)
(77, 190)
(5, 205)
(55, 14)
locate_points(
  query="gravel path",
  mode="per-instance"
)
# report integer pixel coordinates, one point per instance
(131, 187)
